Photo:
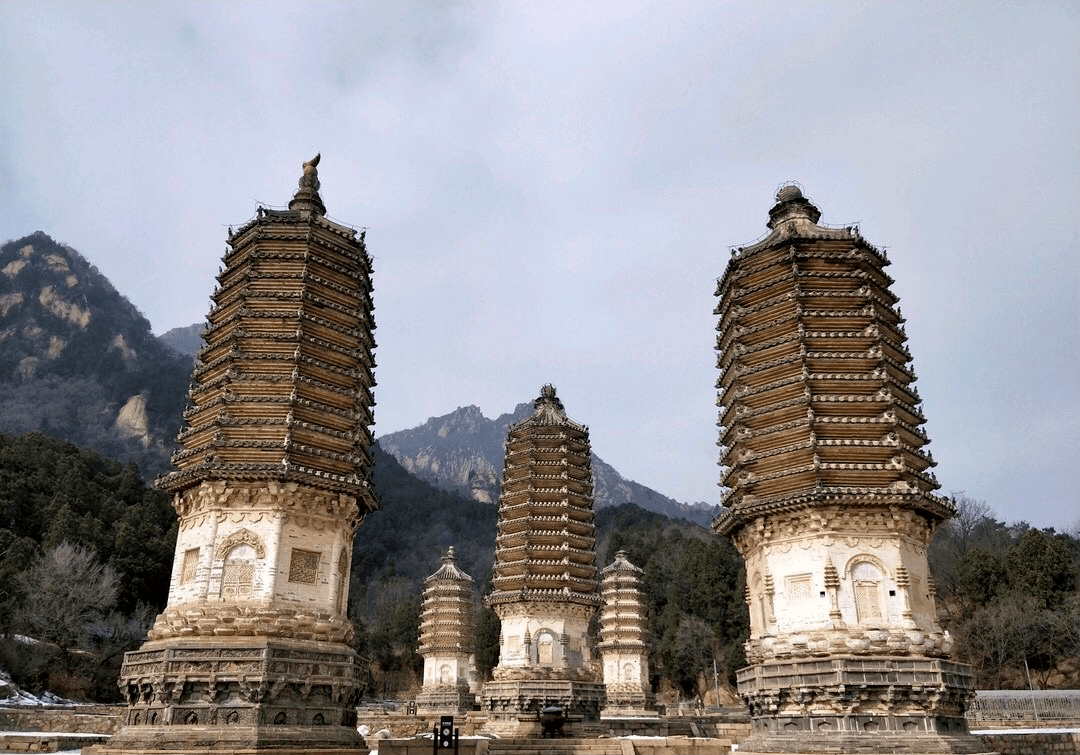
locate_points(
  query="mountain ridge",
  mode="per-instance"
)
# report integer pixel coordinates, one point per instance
(462, 451)
(79, 361)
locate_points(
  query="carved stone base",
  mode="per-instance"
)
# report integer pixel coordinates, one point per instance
(628, 700)
(243, 693)
(444, 700)
(849, 704)
(850, 640)
(512, 707)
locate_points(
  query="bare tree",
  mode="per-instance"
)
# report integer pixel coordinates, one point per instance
(974, 525)
(67, 590)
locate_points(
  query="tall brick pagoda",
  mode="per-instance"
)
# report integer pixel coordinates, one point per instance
(545, 581)
(830, 499)
(447, 642)
(272, 478)
(624, 636)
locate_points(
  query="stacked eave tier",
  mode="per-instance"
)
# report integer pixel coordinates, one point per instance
(532, 567)
(441, 621)
(284, 384)
(570, 530)
(455, 637)
(624, 625)
(815, 384)
(446, 590)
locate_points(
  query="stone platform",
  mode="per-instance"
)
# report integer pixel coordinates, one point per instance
(234, 740)
(238, 694)
(855, 704)
(512, 706)
(532, 746)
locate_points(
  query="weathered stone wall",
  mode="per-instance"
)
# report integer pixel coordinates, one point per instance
(1033, 744)
(47, 741)
(82, 719)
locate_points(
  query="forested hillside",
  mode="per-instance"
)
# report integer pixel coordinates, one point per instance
(1010, 594)
(87, 540)
(86, 549)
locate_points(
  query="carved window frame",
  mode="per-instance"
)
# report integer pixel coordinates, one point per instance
(304, 566)
(868, 593)
(189, 567)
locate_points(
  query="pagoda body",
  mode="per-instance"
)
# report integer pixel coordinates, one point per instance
(544, 582)
(447, 628)
(272, 478)
(624, 640)
(830, 499)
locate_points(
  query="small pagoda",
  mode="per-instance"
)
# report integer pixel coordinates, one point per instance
(253, 651)
(624, 637)
(447, 644)
(544, 582)
(830, 499)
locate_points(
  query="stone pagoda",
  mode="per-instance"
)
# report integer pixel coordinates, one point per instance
(252, 652)
(623, 641)
(447, 644)
(830, 499)
(544, 582)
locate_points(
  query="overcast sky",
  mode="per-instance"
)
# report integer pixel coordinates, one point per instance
(551, 189)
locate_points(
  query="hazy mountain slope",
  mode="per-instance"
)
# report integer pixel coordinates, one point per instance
(79, 362)
(187, 340)
(463, 452)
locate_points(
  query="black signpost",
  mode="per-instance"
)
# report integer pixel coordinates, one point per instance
(446, 736)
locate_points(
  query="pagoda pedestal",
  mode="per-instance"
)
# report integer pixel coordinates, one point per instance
(513, 706)
(240, 694)
(846, 704)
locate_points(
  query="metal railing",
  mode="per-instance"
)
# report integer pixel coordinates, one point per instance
(1041, 707)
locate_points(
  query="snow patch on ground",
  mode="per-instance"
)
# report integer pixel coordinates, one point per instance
(10, 694)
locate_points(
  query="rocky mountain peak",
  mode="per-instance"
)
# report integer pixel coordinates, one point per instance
(79, 361)
(463, 452)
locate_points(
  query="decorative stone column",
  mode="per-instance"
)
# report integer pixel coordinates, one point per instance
(252, 652)
(830, 499)
(623, 641)
(447, 644)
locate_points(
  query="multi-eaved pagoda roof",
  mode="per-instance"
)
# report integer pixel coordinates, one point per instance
(545, 546)
(283, 386)
(816, 388)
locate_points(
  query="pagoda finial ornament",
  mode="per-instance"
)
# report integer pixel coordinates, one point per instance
(307, 197)
(830, 499)
(549, 409)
